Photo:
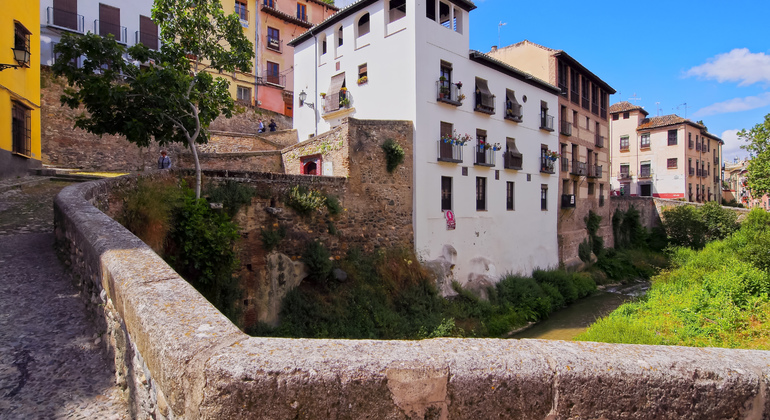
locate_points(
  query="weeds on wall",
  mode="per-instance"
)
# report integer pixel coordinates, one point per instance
(305, 201)
(272, 237)
(394, 154)
(232, 194)
(148, 211)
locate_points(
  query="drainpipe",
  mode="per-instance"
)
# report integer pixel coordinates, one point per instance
(256, 54)
(315, 87)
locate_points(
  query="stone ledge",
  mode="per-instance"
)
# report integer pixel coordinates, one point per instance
(189, 355)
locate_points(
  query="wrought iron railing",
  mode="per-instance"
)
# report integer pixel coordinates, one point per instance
(546, 121)
(448, 152)
(546, 165)
(336, 101)
(448, 93)
(481, 107)
(565, 164)
(567, 200)
(565, 128)
(599, 140)
(65, 19)
(105, 28)
(272, 78)
(484, 157)
(579, 168)
(624, 175)
(645, 172)
(594, 171)
(274, 43)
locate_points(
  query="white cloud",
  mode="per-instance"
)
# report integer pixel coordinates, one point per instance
(738, 65)
(735, 105)
(732, 146)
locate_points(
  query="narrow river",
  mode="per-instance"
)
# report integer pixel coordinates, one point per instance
(571, 321)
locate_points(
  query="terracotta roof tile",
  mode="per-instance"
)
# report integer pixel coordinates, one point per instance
(626, 107)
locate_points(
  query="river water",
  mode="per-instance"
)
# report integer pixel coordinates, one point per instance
(568, 323)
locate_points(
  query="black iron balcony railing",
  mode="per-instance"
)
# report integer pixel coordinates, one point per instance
(546, 165)
(105, 28)
(594, 171)
(599, 140)
(690, 144)
(697, 147)
(574, 96)
(595, 108)
(567, 201)
(624, 175)
(65, 19)
(716, 178)
(513, 112)
(513, 160)
(584, 102)
(579, 168)
(448, 93)
(484, 157)
(563, 87)
(716, 160)
(692, 171)
(565, 128)
(272, 78)
(448, 152)
(645, 172)
(149, 40)
(565, 164)
(546, 121)
(274, 44)
(603, 112)
(489, 108)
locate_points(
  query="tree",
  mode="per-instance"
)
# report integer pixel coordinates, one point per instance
(758, 146)
(165, 95)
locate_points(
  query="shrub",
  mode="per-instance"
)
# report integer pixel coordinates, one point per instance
(584, 251)
(271, 238)
(318, 261)
(559, 279)
(148, 211)
(693, 227)
(232, 194)
(333, 205)
(305, 201)
(394, 154)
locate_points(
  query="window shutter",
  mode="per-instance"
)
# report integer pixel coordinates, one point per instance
(109, 21)
(148, 32)
(65, 13)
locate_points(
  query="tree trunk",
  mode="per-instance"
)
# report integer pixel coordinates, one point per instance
(194, 150)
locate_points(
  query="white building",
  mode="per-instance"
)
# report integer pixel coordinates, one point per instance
(407, 60)
(129, 21)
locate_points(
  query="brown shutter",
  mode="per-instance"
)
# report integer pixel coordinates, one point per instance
(109, 21)
(148, 32)
(332, 101)
(65, 14)
(446, 129)
(486, 96)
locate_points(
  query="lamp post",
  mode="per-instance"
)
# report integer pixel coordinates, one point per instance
(302, 97)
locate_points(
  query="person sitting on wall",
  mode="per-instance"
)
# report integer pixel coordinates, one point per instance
(273, 126)
(164, 162)
(261, 128)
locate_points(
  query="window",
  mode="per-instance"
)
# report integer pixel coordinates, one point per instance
(21, 40)
(671, 163)
(624, 143)
(241, 10)
(509, 196)
(624, 171)
(430, 10)
(444, 15)
(302, 12)
(591, 188)
(109, 22)
(65, 14)
(336, 95)
(626, 115)
(323, 44)
(645, 142)
(274, 40)
(21, 129)
(574, 86)
(481, 193)
(563, 73)
(397, 10)
(363, 74)
(585, 90)
(672, 137)
(148, 32)
(363, 25)
(446, 193)
(485, 101)
(244, 94)
(645, 171)
(339, 36)
(273, 73)
(543, 197)
(512, 106)
(615, 117)
(270, 3)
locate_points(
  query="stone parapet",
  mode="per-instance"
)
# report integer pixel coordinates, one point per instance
(178, 357)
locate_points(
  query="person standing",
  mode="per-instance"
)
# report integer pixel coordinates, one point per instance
(164, 162)
(261, 128)
(273, 126)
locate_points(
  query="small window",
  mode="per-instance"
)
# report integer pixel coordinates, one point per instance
(269, 3)
(363, 25)
(446, 193)
(241, 10)
(625, 170)
(672, 137)
(244, 94)
(363, 74)
(397, 10)
(21, 41)
(645, 141)
(430, 10)
(340, 39)
(626, 115)
(624, 143)
(323, 45)
(274, 39)
(481, 193)
(543, 197)
(615, 117)
(671, 163)
(645, 170)
(444, 15)
(591, 188)
(273, 73)
(21, 129)
(302, 12)
(509, 196)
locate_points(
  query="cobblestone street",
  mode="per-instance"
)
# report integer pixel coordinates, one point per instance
(52, 360)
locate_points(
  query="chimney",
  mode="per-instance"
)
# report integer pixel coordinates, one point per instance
(494, 48)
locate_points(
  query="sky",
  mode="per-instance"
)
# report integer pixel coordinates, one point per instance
(712, 56)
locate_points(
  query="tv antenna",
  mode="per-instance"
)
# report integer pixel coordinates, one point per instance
(685, 108)
(634, 98)
(499, 26)
(657, 106)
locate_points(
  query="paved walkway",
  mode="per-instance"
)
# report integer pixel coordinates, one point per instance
(52, 361)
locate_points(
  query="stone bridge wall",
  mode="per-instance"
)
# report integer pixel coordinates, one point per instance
(178, 357)
(651, 208)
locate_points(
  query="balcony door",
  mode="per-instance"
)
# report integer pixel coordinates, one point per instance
(65, 14)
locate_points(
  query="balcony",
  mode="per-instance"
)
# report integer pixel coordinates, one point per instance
(273, 44)
(603, 112)
(624, 175)
(513, 160)
(149, 40)
(599, 140)
(690, 144)
(513, 112)
(485, 103)
(272, 79)
(448, 152)
(697, 147)
(595, 108)
(546, 122)
(579, 168)
(574, 96)
(594, 171)
(565, 128)
(449, 93)
(567, 201)
(692, 171)
(645, 172)
(565, 164)
(716, 160)
(65, 19)
(484, 157)
(644, 144)
(584, 102)
(337, 101)
(107, 28)
(546, 165)
(716, 178)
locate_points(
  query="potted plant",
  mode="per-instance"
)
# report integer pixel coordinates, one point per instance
(323, 95)
(459, 85)
(456, 139)
(363, 80)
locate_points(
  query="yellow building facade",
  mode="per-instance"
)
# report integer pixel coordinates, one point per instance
(20, 148)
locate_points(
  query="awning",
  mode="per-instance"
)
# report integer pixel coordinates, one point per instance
(487, 99)
(512, 104)
(332, 100)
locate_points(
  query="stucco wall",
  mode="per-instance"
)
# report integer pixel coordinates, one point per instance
(183, 359)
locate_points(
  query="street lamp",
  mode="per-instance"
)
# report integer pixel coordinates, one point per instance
(21, 55)
(302, 97)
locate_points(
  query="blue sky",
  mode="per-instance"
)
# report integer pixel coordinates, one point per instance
(713, 56)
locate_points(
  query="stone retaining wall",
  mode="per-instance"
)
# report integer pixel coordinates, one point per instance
(178, 357)
(651, 208)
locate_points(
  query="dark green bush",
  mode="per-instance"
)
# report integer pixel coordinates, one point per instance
(305, 201)
(232, 194)
(333, 205)
(318, 261)
(559, 279)
(148, 211)
(271, 238)
(394, 154)
(584, 251)
(693, 227)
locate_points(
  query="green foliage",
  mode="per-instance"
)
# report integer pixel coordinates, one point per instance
(271, 238)
(584, 251)
(758, 146)
(694, 226)
(717, 296)
(333, 205)
(305, 201)
(627, 229)
(170, 100)
(394, 154)
(232, 194)
(318, 261)
(148, 211)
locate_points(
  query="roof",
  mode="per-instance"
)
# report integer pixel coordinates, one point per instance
(509, 70)
(570, 60)
(323, 3)
(673, 119)
(626, 107)
(466, 5)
